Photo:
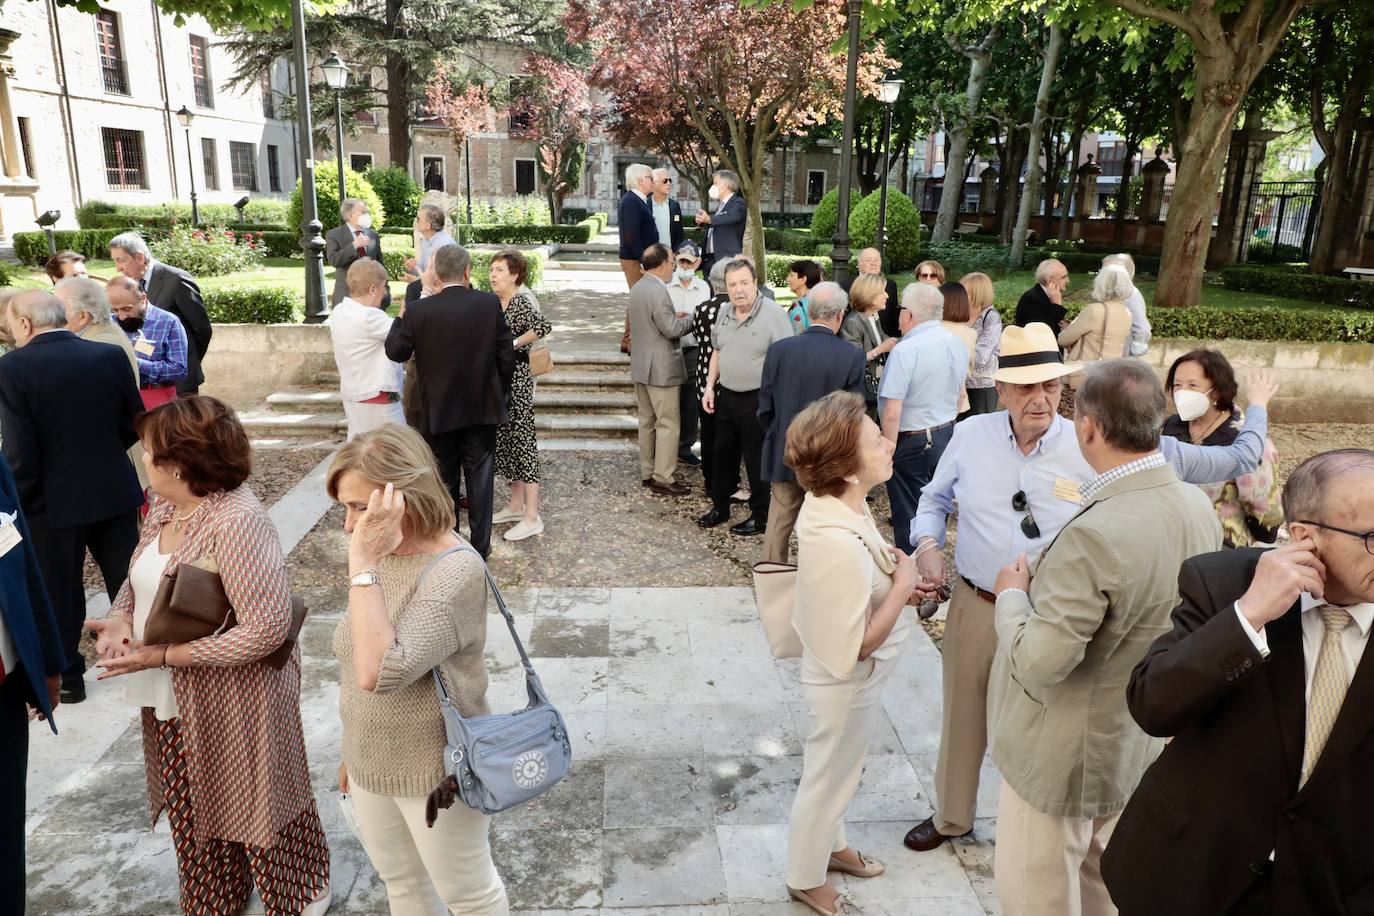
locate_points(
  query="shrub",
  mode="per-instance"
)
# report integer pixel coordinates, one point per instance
(1279, 281)
(399, 193)
(282, 244)
(87, 213)
(789, 240)
(959, 258)
(1085, 262)
(100, 214)
(32, 247)
(7, 274)
(481, 268)
(209, 252)
(327, 197)
(251, 305)
(775, 267)
(1260, 323)
(902, 238)
(579, 234)
(508, 211)
(827, 213)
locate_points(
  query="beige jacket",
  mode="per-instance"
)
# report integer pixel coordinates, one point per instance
(837, 551)
(655, 329)
(1102, 592)
(1101, 331)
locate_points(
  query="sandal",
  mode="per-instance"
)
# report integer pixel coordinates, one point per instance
(871, 868)
(842, 905)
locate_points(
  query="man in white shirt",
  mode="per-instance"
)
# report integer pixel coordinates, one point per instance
(369, 382)
(687, 290)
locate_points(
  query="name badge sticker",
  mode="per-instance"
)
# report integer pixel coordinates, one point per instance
(9, 533)
(1066, 490)
(143, 347)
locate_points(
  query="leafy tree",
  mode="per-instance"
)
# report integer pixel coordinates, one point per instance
(902, 234)
(223, 15)
(399, 193)
(827, 214)
(555, 111)
(327, 196)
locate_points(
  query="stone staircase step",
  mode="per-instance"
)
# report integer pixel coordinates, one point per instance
(607, 266)
(562, 380)
(268, 424)
(320, 401)
(590, 248)
(591, 358)
(591, 426)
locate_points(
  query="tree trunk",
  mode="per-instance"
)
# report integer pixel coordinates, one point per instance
(398, 73)
(1037, 131)
(1009, 184)
(980, 61)
(1075, 143)
(1340, 202)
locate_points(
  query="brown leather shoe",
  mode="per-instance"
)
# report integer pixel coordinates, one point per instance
(668, 489)
(924, 837)
(647, 482)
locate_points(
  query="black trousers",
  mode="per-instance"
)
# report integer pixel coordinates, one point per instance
(62, 558)
(707, 424)
(14, 766)
(469, 453)
(738, 434)
(688, 406)
(1257, 899)
(980, 400)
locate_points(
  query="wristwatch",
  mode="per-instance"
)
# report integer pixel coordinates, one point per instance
(365, 578)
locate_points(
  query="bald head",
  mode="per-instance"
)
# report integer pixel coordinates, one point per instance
(870, 261)
(34, 311)
(128, 302)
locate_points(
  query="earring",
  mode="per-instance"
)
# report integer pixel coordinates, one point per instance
(853, 480)
(176, 475)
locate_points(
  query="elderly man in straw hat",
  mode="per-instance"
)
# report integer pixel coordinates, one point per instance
(1015, 476)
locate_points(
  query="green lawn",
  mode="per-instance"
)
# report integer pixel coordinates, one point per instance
(284, 272)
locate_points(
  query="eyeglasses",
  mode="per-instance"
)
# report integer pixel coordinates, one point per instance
(1019, 503)
(925, 275)
(1366, 536)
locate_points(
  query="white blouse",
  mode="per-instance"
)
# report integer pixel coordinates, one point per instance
(151, 687)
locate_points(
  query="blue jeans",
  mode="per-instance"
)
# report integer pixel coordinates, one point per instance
(913, 465)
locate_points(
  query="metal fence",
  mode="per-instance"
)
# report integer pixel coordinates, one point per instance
(1281, 217)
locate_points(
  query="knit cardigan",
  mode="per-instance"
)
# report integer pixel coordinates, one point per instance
(393, 737)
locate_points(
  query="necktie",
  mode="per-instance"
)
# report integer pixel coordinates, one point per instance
(142, 285)
(360, 243)
(1329, 685)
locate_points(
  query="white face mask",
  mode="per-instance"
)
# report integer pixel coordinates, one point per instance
(684, 273)
(1191, 404)
(365, 221)
(714, 192)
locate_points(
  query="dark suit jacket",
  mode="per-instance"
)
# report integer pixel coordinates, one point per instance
(172, 289)
(797, 371)
(675, 224)
(340, 251)
(638, 230)
(25, 607)
(1035, 305)
(67, 410)
(892, 310)
(1224, 793)
(464, 359)
(725, 234)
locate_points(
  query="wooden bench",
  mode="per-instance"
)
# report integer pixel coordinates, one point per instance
(1359, 273)
(969, 228)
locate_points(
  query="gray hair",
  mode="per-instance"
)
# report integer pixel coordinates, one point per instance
(924, 302)
(741, 263)
(85, 296)
(347, 204)
(826, 301)
(131, 243)
(729, 177)
(1307, 488)
(1121, 260)
(717, 277)
(1125, 398)
(1112, 284)
(433, 216)
(1045, 267)
(41, 307)
(450, 263)
(634, 173)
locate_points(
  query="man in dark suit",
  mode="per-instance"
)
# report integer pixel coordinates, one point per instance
(635, 220)
(31, 664)
(667, 211)
(725, 227)
(67, 411)
(1261, 803)
(797, 371)
(1044, 302)
(348, 242)
(172, 290)
(464, 361)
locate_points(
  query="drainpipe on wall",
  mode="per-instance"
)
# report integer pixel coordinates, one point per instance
(166, 105)
(68, 123)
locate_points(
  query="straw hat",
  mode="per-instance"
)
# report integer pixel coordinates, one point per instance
(1030, 355)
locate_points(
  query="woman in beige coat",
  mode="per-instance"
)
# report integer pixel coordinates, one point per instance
(851, 590)
(1101, 331)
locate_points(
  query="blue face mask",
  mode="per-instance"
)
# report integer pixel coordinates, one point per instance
(684, 273)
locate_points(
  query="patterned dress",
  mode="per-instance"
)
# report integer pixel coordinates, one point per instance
(517, 448)
(230, 769)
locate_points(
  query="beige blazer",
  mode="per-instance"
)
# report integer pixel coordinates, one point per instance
(1102, 592)
(655, 329)
(110, 333)
(1101, 331)
(837, 552)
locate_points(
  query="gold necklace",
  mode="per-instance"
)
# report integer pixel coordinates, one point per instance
(178, 519)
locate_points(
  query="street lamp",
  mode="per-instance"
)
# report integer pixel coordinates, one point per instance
(312, 242)
(839, 256)
(888, 90)
(336, 76)
(186, 117)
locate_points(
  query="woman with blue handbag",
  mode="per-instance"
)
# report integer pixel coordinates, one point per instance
(417, 602)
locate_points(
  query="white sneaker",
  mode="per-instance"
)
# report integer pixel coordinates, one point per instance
(526, 529)
(507, 515)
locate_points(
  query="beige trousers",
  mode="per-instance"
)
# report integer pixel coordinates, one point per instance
(659, 428)
(1046, 865)
(966, 662)
(782, 518)
(430, 871)
(632, 270)
(843, 713)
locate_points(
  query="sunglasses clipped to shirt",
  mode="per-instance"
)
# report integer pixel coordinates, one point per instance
(1019, 503)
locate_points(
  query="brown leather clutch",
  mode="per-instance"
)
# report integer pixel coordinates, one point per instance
(191, 604)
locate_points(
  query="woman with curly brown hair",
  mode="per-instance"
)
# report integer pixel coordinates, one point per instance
(223, 748)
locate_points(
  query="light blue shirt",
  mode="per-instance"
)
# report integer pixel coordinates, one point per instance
(926, 372)
(982, 468)
(663, 219)
(429, 246)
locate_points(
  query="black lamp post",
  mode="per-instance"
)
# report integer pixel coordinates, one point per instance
(888, 90)
(336, 77)
(839, 257)
(312, 242)
(186, 117)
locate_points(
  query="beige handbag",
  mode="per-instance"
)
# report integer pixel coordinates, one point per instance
(775, 590)
(541, 361)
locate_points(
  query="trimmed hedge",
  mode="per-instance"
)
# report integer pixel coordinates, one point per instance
(32, 247)
(827, 212)
(902, 237)
(775, 266)
(963, 256)
(399, 193)
(1259, 323)
(1083, 262)
(1279, 281)
(580, 234)
(789, 240)
(93, 214)
(481, 266)
(251, 305)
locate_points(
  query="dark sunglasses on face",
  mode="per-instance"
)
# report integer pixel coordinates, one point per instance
(923, 275)
(1019, 503)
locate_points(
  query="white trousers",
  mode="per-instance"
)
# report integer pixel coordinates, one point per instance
(1047, 865)
(843, 713)
(366, 417)
(430, 871)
